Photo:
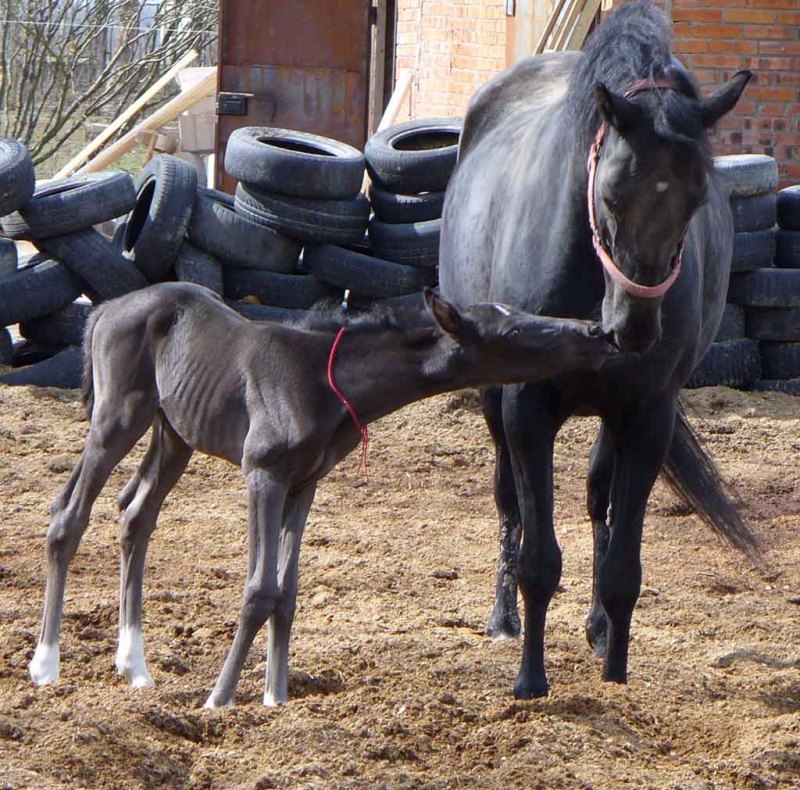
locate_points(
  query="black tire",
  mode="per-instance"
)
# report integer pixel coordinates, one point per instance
(64, 327)
(59, 207)
(195, 266)
(8, 257)
(364, 274)
(295, 291)
(415, 244)
(6, 348)
(394, 208)
(758, 212)
(786, 386)
(753, 250)
(308, 221)
(235, 240)
(789, 208)
(293, 163)
(732, 325)
(39, 287)
(27, 352)
(103, 268)
(780, 360)
(787, 249)
(262, 312)
(154, 230)
(773, 324)
(766, 288)
(415, 156)
(64, 370)
(747, 174)
(17, 176)
(731, 364)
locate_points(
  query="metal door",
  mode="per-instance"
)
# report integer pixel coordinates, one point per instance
(294, 64)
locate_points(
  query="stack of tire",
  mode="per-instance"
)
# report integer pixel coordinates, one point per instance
(734, 358)
(772, 302)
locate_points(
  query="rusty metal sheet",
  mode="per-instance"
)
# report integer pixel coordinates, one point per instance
(305, 64)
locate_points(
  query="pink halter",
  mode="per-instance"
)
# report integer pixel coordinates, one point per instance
(616, 274)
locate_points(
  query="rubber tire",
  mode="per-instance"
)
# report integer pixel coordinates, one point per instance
(780, 360)
(753, 249)
(17, 176)
(39, 287)
(8, 257)
(363, 274)
(64, 370)
(59, 207)
(773, 324)
(758, 212)
(393, 208)
(27, 352)
(103, 268)
(400, 159)
(193, 265)
(307, 221)
(414, 244)
(294, 163)
(6, 348)
(735, 363)
(789, 208)
(295, 291)
(744, 175)
(786, 386)
(262, 312)
(63, 327)
(787, 249)
(766, 288)
(154, 230)
(235, 240)
(732, 325)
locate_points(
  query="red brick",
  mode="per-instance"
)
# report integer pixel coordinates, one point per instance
(749, 16)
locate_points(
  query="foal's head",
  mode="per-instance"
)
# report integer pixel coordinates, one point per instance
(652, 165)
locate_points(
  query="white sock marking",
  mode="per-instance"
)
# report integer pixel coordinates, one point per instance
(130, 658)
(44, 664)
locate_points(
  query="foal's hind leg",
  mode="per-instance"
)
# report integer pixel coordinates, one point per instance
(161, 468)
(504, 621)
(115, 429)
(279, 626)
(598, 492)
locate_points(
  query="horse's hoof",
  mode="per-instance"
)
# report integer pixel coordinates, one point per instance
(615, 676)
(43, 668)
(528, 689)
(215, 703)
(600, 647)
(504, 626)
(272, 701)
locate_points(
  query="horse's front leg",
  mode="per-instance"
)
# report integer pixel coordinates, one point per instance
(504, 621)
(598, 497)
(531, 431)
(279, 627)
(642, 437)
(267, 500)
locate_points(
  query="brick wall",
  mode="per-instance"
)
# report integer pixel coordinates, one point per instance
(715, 38)
(452, 48)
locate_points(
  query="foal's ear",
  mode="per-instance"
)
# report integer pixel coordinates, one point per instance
(724, 99)
(616, 110)
(447, 316)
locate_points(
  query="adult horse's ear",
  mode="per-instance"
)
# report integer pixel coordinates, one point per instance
(724, 99)
(616, 110)
(448, 316)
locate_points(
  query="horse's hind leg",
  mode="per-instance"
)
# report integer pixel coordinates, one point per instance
(161, 468)
(111, 437)
(279, 627)
(598, 492)
(504, 620)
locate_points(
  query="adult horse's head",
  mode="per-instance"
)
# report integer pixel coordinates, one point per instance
(649, 169)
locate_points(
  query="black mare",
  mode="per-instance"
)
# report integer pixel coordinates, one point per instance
(517, 231)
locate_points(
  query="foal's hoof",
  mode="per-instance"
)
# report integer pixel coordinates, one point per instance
(214, 703)
(43, 668)
(526, 688)
(504, 625)
(273, 700)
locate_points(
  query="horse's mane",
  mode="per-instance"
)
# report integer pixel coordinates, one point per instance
(631, 45)
(329, 315)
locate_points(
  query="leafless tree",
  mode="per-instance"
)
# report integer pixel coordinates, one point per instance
(65, 62)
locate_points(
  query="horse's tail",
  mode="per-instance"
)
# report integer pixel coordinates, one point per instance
(692, 474)
(88, 372)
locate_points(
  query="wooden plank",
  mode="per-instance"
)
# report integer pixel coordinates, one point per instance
(548, 28)
(566, 27)
(581, 30)
(168, 112)
(125, 116)
(401, 89)
(378, 66)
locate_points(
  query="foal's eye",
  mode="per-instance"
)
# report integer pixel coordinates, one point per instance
(513, 332)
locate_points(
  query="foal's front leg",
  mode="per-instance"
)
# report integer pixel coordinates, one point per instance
(261, 592)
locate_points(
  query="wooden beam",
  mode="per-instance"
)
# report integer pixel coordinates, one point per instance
(581, 29)
(125, 116)
(548, 28)
(568, 24)
(168, 112)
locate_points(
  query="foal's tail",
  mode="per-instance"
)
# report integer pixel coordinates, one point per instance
(88, 374)
(692, 474)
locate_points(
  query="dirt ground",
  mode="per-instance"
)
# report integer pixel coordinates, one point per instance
(394, 683)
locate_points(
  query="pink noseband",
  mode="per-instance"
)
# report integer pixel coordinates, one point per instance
(616, 274)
